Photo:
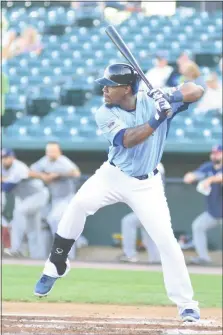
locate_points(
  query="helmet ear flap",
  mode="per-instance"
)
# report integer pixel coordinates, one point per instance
(135, 85)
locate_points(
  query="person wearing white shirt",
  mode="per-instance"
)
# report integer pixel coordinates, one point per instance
(212, 98)
(159, 75)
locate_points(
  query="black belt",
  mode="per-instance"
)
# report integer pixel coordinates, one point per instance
(144, 176)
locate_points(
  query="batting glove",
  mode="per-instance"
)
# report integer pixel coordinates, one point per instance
(156, 94)
(163, 108)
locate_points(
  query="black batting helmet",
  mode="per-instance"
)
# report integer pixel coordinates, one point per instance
(118, 75)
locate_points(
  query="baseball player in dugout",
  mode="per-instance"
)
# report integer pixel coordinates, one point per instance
(210, 178)
(135, 124)
(31, 196)
(129, 225)
(58, 173)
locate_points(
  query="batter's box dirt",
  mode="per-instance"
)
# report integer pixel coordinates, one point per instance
(90, 319)
(115, 326)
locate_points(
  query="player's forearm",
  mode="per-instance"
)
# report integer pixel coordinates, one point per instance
(35, 174)
(136, 135)
(217, 179)
(76, 173)
(191, 92)
(190, 178)
(73, 173)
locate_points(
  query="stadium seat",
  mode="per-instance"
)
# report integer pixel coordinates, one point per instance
(58, 106)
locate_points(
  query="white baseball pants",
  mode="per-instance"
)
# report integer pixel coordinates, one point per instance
(129, 225)
(200, 226)
(110, 185)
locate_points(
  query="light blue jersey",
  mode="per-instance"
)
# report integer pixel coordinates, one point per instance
(142, 158)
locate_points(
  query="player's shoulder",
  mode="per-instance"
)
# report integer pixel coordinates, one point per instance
(43, 160)
(17, 164)
(104, 112)
(64, 159)
(206, 166)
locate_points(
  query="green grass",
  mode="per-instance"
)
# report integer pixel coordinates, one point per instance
(105, 287)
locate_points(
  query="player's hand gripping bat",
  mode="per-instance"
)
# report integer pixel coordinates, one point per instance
(122, 47)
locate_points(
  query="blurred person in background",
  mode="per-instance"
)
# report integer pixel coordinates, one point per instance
(31, 196)
(212, 98)
(28, 41)
(59, 174)
(129, 225)
(118, 11)
(190, 72)
(6, 241)
(174, 78)
(160, 73)
(210, 178)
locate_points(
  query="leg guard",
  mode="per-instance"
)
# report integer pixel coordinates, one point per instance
(59, 252)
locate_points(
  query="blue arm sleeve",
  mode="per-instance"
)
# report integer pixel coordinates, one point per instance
(7, 187)
(118, 139)
(203, 170)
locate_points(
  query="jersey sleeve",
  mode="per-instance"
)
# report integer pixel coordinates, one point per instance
(68, 164)
(109, 124)
(18, 173)
(202, 171)
(38, 166)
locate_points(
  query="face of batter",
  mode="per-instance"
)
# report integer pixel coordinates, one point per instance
(7, 161)
(53, 151)
(115, 95)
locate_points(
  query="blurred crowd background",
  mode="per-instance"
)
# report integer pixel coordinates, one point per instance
(53, 50)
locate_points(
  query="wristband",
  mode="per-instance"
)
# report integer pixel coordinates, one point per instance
(154, 123)
(177, 96)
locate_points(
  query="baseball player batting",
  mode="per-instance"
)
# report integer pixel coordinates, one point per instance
(136, 125)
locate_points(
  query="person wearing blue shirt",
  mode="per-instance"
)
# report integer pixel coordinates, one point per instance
(211, 182)
(136, 126)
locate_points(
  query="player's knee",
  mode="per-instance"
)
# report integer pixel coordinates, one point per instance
(83, 204)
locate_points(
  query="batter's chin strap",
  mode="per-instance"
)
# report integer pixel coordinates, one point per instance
(59, 252)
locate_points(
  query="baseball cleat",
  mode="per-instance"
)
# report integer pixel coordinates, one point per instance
(190, 315)
(44, 286)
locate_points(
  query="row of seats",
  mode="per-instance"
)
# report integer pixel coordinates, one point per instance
(89, 132)
(60, 106)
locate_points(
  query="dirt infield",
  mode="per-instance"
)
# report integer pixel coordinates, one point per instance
(89, 319)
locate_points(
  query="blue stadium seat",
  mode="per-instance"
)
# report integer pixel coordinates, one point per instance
(87, 131)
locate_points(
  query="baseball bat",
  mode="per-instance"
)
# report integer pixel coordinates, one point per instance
(122, 47)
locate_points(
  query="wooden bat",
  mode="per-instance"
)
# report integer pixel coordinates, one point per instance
(122, 47)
